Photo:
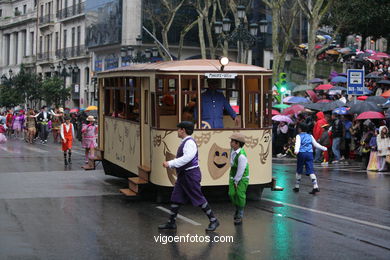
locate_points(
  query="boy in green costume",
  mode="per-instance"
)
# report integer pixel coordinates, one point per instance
(239, 175)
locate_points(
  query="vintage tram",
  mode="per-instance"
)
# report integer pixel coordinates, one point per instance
(140, 106)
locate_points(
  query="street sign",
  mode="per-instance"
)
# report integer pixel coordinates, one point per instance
(355, 82)
(221, 75)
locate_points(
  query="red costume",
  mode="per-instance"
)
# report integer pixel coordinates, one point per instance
(68, 136)
(317, 129)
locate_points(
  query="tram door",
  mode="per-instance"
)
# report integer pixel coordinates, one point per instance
(145, 123)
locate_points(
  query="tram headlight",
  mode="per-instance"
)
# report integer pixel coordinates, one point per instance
(224, 61)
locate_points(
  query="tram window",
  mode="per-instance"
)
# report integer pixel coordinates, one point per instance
(267, 104)
(133, 97)
(109, 102)
(189, 97)
(253, 103)
(166, 102)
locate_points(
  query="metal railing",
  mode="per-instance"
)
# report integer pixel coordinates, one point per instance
(45, 56)
(49, 18)
(71, 11)
(70, 52)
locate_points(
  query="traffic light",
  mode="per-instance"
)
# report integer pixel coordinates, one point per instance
(282, 83)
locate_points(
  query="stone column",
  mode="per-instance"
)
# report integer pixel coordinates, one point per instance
(28, 43)
(20, 48)
(2, 47)
(12, 49)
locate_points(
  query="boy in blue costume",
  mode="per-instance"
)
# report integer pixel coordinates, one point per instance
(304, 150)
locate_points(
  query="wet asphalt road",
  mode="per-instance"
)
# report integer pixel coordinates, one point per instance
(48, 212)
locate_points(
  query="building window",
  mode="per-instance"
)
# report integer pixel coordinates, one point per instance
(40, 44)
(24, 9)
(8, 39)
(78, 36)
(24, 43)
(57, 41)
(32, 43)
(1, 12)
(64, 39)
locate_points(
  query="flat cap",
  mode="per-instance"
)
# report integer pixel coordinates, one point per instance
(186, 125)
(238, 137)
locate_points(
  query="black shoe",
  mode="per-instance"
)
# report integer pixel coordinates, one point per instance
(167, 225)
(314, 191)
(238, 221)
(213, 225)
(70, 161)
(66, 162)
(296, 189)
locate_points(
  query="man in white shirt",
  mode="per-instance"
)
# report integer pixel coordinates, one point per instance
(187, 187)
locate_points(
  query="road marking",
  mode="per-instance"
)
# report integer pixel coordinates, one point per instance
(34, 149)
(6, 149)
(331, 214)
(180, 216)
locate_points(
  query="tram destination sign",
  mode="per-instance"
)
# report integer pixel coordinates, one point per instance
(355, 82)
(221, 75)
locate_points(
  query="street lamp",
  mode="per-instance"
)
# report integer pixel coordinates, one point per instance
(154, 51)
(226, 25)
(10, 73)
(241, 11)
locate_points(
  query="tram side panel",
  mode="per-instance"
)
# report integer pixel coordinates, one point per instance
(214, 156)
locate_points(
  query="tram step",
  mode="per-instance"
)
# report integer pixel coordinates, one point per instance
(135, 182)
(128, 192)
(143, 172)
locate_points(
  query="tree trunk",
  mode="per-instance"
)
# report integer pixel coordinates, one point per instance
(311, 51)
(183, 33)
(201, 38)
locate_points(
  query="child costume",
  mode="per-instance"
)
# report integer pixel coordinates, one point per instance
(239, 178)
(304, 149)
(67, 135)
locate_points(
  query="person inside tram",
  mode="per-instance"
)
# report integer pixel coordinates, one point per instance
(213, 105)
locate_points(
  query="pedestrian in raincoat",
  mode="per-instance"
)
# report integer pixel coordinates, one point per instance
(239, 175)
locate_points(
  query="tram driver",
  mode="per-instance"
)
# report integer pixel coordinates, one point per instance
(213, 104)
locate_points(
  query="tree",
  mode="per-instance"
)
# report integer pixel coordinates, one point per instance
(53, 91)
(29, 87)
(315, 11)
(283, 17)
(9, 97)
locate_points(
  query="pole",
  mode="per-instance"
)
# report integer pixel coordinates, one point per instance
(159, 43)
(64, 88)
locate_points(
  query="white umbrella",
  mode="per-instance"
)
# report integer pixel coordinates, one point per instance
(282, 118)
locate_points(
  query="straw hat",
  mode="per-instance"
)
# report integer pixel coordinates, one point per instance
(238, 137)
(90, 118)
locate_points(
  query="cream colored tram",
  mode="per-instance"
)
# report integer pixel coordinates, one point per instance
(140, 106)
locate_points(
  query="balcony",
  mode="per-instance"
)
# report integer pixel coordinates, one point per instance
(46, 20)
(72, 52)
(45, 56)
(7, 22)
(71, 11)
(29, 59)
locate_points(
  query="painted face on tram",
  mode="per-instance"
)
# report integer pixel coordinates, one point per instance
(218, 161)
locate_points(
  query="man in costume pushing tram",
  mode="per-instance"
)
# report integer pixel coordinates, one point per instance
(187, 187)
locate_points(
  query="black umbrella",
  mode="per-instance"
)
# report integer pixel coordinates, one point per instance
(339, 88)
(364, 107)
(351, 103)
(372, 75)
(325, 106)
(363, 55)
(384, 81)
(376, 99)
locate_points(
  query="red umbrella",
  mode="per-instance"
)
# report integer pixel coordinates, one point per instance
(275, 112)
(362, 98)
(74, 110)
(324, 87)
(295, 109)
(312, 95)
(386, 94)
(323, 101)
(379, 56)
(371, 115)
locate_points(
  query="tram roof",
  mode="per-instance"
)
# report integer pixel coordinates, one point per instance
(200, 65)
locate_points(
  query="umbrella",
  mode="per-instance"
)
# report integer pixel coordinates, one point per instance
(340, 111)
(324, 87)
(295, 109)
(363, 55)
(291, 85)
(372, 76)
(339, 88)
(362, 98)
(351, 103)
(371, 115)
(339, 79)
(384, 81)
(386, 94)
(281, 106)
(323, 101)
(74, 110)
(332, 52)
(91, 113)
(286, 99)
(275, 112)
(325, 106)
(294, 100)
(316, 80)
(312, 95)
(320, 37)
(282, 118)
(345, 50)
(379, 56)
(364, 107)
(376, 99)
(342, 74)
(91, 108)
